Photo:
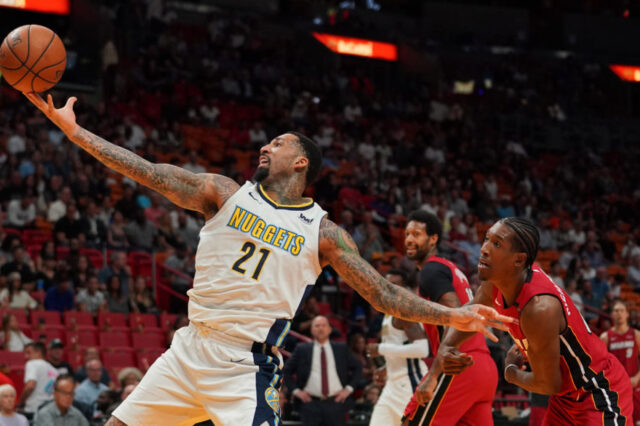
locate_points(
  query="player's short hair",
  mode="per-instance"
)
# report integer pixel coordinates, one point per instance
(37, 346)
(313, 153)
(526, 237)
(433, 226)
(616, 301)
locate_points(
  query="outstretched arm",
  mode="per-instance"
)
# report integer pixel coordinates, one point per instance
(203, 192)
(338, 249)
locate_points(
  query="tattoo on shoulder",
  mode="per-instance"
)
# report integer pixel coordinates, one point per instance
(225, 187)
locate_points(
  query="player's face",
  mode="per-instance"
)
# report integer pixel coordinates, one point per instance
(620, 314)
(417, 243)
(498, 260)
(278, 158)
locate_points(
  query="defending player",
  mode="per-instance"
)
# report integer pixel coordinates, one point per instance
(261, 248)
(403, 344)
(623, 342)
(464, 399)
(587, 384)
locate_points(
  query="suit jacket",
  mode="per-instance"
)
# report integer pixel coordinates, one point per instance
(299, 365)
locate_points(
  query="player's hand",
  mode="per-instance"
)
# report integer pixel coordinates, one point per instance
(453, 361)
(515, 357)
(63, 117)
(372, 350)
(302, 395)
(342, 395)
(426, 388)
(479, 318)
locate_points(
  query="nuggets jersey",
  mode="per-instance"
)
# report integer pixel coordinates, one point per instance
(584, 357)
(460, 285)
(399, 369)
(624, 347)
(255, 263)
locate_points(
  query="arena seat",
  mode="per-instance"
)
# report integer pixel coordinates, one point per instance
(45, 318)
(148, 357)
(148, 340)
(21, 316)
(167, 320)
(74, 319)
(82, 337)
(49, 333)
(94, 255)
(75, 358)
(114, 339)
(12, 359)
(118, 360)
(109, 320)
(144, 321)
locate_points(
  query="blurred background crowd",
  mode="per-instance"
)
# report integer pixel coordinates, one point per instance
(87, 256)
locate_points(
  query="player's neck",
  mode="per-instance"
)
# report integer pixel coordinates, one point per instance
(433, 252)
(621, 328)
(511, 288)
(284, 191)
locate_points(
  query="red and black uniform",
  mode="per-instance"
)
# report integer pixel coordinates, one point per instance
(464, 399)
(625, 348)
(595, 388)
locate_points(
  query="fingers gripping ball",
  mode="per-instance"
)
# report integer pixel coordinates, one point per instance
(32, 58)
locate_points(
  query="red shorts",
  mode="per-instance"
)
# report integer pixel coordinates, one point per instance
(465, 399)
(610, 403)
(636, 405)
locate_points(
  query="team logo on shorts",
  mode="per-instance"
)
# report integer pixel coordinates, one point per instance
(272, 396)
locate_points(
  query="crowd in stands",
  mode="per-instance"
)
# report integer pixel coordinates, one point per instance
(77, 238)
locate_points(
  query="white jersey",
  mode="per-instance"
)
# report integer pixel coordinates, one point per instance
(399, 369)
(255, 263)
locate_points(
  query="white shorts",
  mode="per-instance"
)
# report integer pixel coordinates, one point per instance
(206, 375)
(390, 407)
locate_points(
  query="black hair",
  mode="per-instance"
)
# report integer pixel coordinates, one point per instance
(433, 226)
(526, 237)
(399, 273)
(314, 155)
(617, 300)
(37, 346)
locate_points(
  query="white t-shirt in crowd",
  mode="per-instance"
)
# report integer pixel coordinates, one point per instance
(44, 375)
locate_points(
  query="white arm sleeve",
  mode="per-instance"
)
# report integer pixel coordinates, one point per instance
(416, 349)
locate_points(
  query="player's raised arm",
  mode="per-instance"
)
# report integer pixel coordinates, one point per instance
(338, 249)
(203, 192)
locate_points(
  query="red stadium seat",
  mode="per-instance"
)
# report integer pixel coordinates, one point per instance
(148, 357)
(21, 315)
(45, 318)
(82, 337)
(75, 358)
(78, 319)
(48, 333)
(114, 339)
(12, 359)
(145, 321)
(34, 250)
(148, 340)
(17, 375)
(167, 320)
(324, 308)
(94, 255)
(62, 252)
(38, 296)
(118, 360)
(111, 319)
(36, 236)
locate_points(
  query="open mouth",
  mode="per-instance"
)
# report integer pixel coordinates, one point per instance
(483, 265)
(411, 250)
(264, 161)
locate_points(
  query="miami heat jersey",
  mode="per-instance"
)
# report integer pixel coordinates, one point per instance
(437, 277)
(624, 347)
(583, 354)
(255, 263)
(399, 369)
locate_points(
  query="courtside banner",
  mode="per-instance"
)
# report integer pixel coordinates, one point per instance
(627, 72)
(358, 46)
(60, 7)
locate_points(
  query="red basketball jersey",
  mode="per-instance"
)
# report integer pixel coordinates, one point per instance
(583, 355)
(460, 284)
(624, 347)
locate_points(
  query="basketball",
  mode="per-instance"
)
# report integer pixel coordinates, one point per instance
(32, 58)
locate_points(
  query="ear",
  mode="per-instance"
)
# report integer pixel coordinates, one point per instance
(433, 239)
(300, 163)
(520, 259)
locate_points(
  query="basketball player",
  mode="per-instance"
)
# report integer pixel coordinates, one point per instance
(587, 384)
(261, 249)
(623, 342)
(403, 345)
(464, 399)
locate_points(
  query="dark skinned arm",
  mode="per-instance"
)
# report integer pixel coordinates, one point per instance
(338, 249)
(541, 321)
(201, 192)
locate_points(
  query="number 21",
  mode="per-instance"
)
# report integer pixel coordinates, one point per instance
(249, 249)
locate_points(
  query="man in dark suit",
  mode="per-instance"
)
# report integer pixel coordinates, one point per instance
(325, 375)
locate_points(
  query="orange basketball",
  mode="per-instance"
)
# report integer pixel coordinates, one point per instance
(32, 58)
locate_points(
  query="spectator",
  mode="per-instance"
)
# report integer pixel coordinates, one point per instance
(89, 389)
(81, 270)
(471, 247)
(55, 355)
(586, 271)
(129, 376)
(20, 263)
(556, 275)
(326, 374)
(92, 353)
(21, 213)
(303, 319)
(47, 252)
(180, 261)
(101, 413)
(39, 377)
(119, 268)
(358, 346)
(70, 226)
(192, 163)
(127, 205)
(601, 284)
(116, 236)
(91, 299)
(17, 142)
(633, 273)
(576, 297)
(141, 299)
(47, 273)
(125, 393)
(367, 237)
(140, 232)
(8, 415)
(11, 337)
(187, 230)
(61, 411)
(15, 297)
(95, 229)
(58, 208)
(116, 300)
(60, 296)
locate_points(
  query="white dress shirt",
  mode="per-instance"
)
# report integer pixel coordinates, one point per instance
(314, 384)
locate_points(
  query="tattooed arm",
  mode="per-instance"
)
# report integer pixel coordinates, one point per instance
(338, 249)
(202, 192)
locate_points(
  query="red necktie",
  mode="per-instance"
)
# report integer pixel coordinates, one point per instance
(323, 372)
